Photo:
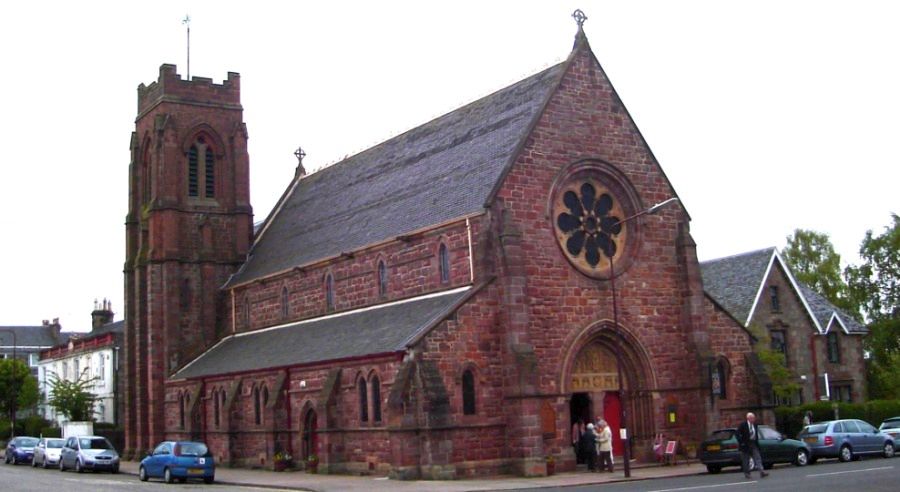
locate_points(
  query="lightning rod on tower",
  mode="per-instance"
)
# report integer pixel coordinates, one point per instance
(187, 22)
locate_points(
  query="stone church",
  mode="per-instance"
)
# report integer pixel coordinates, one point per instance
(444, 304)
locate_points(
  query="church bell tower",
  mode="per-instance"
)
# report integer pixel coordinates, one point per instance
(189, 227)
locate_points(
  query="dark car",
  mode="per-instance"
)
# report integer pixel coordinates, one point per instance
(721, 449)
(20, 450)
(891, 427)
(179, 460)
(88, 453)
(845, 439)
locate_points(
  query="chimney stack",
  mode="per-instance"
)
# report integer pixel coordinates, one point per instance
(102, 314)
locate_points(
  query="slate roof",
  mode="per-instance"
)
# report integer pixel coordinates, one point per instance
(825, 310)
(376, 330)
(30, 336)
(443, 170)
(734, 281)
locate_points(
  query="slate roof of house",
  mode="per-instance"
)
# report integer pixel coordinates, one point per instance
(735, 281)
(114, 327)
(443, 170)
(376, 330)
(31, 336)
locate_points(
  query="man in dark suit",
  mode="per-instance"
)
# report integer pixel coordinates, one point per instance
(748, 442)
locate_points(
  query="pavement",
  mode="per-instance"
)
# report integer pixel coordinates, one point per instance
(299, 480)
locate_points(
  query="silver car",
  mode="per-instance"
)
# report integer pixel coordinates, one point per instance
(845, 439)
(88, 453)
(46, 453)
(891, 427)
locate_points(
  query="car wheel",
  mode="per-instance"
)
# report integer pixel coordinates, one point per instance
(713, 469)
(208, 479)
(168, 476)
(44, 464)
(34, 462)
(142, 474)
(78, 468)
(802, 458)
(62, 467)
(888, 450)
(115, 469)
(846, 453)
(7, 458)
(751, 464)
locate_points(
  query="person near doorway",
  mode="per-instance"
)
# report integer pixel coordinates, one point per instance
(577, 431)
(588, 445)
(807, 418)
(604, 446)
(748, 443)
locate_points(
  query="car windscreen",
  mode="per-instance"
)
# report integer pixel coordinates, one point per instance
(721, 435)
(191, 449)
(814, 429)
(891, 425)
(55, 443)
(95, 443)
(27, 442)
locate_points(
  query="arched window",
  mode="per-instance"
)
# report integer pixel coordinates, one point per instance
(201, 170)
(468, 392)
(181, 410)
(217, 410)
(257, 413)
(444, 258)
(363, 400)
(329, 292)
(719, 381)
(382, 279)
(285, 309)
(376, 398)
(247, 312)
(145, 176)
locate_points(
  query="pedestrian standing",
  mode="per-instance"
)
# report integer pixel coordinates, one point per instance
(588, 445)
(577, 431)
(748, 442)
(604, 447)
(807, 418)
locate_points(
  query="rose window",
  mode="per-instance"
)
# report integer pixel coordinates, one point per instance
(588, 225)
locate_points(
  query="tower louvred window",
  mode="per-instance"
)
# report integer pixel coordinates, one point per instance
(201, 170)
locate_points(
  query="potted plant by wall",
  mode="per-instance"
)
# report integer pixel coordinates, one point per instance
(312, 463)
(283, 461)
(551, 465)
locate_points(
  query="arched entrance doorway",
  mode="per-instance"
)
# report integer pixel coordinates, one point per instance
(593, 382)
(310, 440)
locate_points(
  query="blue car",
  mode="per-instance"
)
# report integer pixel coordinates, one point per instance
(179, 460)
(20, 450)
(845, 439)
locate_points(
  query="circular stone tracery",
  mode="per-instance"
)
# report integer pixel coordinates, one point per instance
(587, 222)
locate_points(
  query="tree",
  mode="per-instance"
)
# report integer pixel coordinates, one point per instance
(73, 399)
(883, 347)
(876, 283)
(775, 364)
(18, 388)
(815, 263)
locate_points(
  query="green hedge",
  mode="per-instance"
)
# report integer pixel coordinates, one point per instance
(790, 419)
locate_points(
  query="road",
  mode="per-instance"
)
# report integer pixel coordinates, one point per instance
(24, 478)
(869, 475)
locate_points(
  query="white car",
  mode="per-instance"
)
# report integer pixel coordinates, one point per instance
(46, 453)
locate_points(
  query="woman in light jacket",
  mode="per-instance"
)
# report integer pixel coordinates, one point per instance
(604, 446)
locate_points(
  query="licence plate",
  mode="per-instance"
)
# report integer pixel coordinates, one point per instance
(713, 447)
(195, 471)
(811, 440)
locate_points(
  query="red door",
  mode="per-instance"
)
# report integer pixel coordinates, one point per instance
(612, 413)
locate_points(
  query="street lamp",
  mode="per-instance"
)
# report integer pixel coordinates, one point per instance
(623, 432)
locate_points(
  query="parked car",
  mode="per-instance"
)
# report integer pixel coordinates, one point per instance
(179, 460)
(47, 451)
(20, 450)
(891, 427)
(846, 439)
(721, 449)
(88, 453)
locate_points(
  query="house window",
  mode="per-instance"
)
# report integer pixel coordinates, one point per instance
(444, 258)
(834, 352)
(201, 170)
(376, 398)
(329, 292)
(76, 365)
(257, 407)
(284, 302)
(778, 342)
(468, 392)
(382, 279)
(101, 368)
(773, 296)
(247, 312)
(363, 400)
(841, 392)
(32, 360)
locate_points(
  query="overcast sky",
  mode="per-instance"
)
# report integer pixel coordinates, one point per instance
(766, 116)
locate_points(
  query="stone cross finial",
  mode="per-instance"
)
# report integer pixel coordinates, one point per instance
(300, 154)
(579, 17)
